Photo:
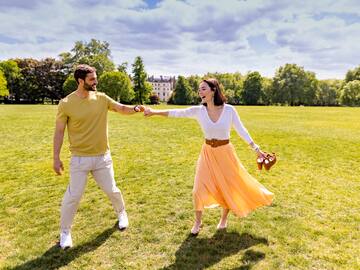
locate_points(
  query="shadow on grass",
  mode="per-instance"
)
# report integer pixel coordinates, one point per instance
(55, 257)
(200, 253)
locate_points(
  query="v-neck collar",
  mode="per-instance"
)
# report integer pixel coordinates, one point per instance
(217, 121)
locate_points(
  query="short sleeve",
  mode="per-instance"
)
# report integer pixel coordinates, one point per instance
(110, 103)
(61, 115)
(191, 112)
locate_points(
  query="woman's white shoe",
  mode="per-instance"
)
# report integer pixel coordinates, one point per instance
(196, 229)
(221, 226)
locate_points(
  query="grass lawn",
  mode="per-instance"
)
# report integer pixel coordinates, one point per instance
(314, 222)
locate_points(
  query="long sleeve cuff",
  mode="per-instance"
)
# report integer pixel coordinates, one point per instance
(254, 146)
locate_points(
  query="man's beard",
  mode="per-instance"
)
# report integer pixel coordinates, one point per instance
(89, 87)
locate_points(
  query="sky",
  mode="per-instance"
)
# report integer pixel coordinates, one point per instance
(191, 36)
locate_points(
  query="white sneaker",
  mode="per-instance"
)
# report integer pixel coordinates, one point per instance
(65, 240)
(123, 220)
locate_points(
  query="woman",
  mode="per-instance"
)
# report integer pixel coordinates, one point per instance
(220, 177)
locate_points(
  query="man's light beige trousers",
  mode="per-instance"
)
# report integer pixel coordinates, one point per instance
(101, 168)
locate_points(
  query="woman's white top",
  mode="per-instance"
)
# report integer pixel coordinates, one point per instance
(215, 130)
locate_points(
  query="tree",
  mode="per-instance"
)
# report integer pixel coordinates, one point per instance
(288, 85)
(117, 85)
(148, 90)
(266, 94)
(12, 74)
(40, 79)
(154, 99)
(350, 94)
(50, 76)
(353, 75)
(311, 87)
(69, 85)
(230, 96)
(232, 84)
(4, 91)
(327, 94)
(252, 88)
(194, 82)
(123, 67)
(182, 94)
(28, 90)
(142, 91)
(94, 53)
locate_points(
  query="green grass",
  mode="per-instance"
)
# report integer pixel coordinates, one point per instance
(314, 222)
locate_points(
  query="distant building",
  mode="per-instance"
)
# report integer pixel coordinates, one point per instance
(162, 86)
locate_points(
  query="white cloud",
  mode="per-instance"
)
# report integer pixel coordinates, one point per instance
(188, 37)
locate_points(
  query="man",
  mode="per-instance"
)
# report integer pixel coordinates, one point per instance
(84, 113)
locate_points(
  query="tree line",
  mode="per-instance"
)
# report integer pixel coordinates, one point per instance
(291, 85)
(48, 80)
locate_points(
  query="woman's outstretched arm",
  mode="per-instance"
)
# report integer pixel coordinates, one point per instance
(190, 112)
(151, 112)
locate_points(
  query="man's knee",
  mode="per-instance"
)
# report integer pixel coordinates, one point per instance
(72, 197)
(111, 191)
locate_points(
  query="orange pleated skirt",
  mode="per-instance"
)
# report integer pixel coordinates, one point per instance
(222, 180)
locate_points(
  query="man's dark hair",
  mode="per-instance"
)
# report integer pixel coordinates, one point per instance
(81, 71)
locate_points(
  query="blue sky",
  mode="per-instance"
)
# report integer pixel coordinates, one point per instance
(191, 37)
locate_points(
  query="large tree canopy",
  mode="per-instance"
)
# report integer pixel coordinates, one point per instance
(94, 53)
(117, 85)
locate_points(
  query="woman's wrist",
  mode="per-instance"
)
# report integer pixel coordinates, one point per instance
(255, 147)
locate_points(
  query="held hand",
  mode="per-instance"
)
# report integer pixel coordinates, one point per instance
(139, 108)
(148, 112)
(58, 166)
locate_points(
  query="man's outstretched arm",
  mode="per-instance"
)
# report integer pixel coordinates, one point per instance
(126, 109)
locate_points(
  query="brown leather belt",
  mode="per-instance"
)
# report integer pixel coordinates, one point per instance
(216, 143)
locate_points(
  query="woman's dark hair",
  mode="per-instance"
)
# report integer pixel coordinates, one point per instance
(219, 98)
(81, 71)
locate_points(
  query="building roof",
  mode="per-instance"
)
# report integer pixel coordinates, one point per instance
(161, 79)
